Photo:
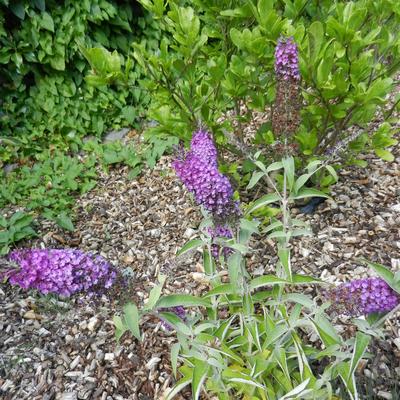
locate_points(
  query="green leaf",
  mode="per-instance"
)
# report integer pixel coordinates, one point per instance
(155, 294)
(47, 22)
(20, 219)
(129, 112)
(309, 192)
(300, 182)
(224, 288)
(332, 171)
(288, 165)
(263, 201)
(208, 263)
(383, 272)
(131, 315)
(174, 356)
(200, 371)
(305, 279)
(274, 166)
(384, 154)
(257, 175)
(300, 389)
(326, 331)
(40, 4)
(181, 384)
(265, 280)
(284, 258)
(315, 38)
(120, 327)
(172, 319)
(234, 266)
(299, 298)
(184, 300)
(18, 9)
(65, 222)
(361, 343)
(189, 246)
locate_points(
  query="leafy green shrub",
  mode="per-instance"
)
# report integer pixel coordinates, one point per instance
(213, 58)
(44, 98)
(16, 228)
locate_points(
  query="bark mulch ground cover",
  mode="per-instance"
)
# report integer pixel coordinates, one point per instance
(65, 349)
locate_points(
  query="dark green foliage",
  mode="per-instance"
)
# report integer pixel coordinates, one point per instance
(13, 229)
(44, 99)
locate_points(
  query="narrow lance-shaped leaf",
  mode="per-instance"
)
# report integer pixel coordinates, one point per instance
(184, 300)
(191, 245)
(200, 371)
(131, 316)
(155, 294)
(263, 201)
(174, 357)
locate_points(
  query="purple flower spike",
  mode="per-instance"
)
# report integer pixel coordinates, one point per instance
(198, 170)
(63, 272)
(287, 60)
(364, 296)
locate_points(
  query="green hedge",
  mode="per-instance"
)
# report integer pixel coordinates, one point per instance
(44, 99)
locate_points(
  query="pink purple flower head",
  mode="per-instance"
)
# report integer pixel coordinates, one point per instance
(364, 296)
(287, 60)
(60, 271)
(202, 145)
(198, 170)
(220, 232)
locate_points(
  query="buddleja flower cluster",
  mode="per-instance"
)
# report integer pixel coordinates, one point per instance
(220, 232)
(63, 272)
(286, 110)
(287, 60)
(363, 296)
(198, 170)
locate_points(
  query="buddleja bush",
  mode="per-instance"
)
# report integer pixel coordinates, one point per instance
(217, 57)
(44, 98)
(248, 337)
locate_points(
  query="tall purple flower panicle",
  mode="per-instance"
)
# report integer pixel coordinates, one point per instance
(286, 109)
(287, 60)
(363, 296)
(198, 170)
(220, 232)
(60, 271)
